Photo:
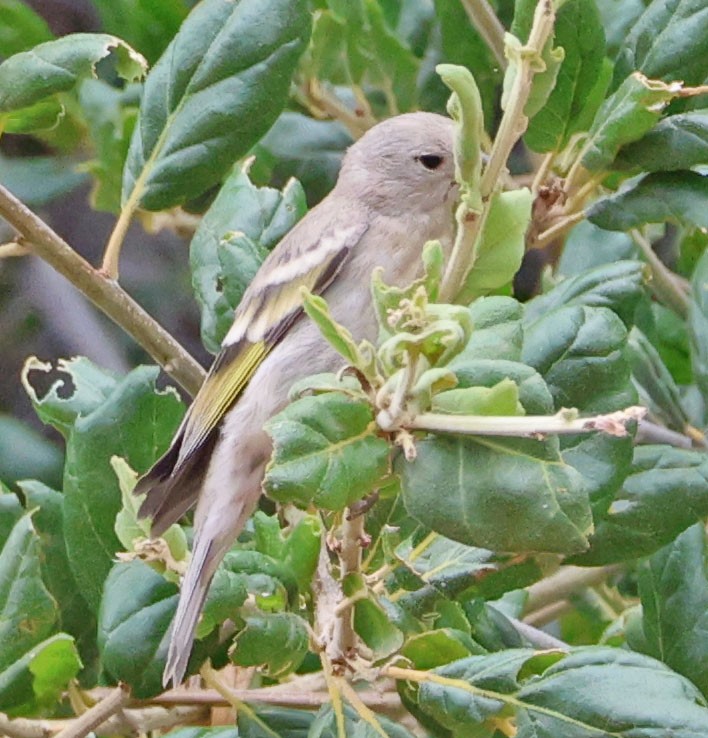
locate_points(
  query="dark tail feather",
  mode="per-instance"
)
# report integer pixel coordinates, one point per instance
(193, 593)
(172, 485)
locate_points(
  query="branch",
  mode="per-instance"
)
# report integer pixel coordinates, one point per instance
(666, 285)
(563, 423)
(565, 582)
(548, 614)
(318, 99)
(512, 126)
(486, 23)
(536, 637)
(23, 728)
(514, 122)
(97, 715)
(558, 229)
(125, 722)
(648, 432)
(353, 534)
(104, 293)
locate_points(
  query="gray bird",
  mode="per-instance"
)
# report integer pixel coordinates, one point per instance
(396, 190)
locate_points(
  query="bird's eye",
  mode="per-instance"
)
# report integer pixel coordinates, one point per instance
(430, 161)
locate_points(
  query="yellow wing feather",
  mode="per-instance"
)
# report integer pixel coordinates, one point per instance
(222, 386)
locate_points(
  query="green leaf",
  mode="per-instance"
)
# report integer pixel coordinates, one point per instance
(227, 592)
(604, 461)
(360, 356)
(58, 66)
(673, 586)
(588, 246)
(327, 452)
(581, 353)
(25, 453)
(501, 399)
(10, 511)
(501, 245)
(258, 566)
(267, 722)
(227, 73)
(37, 680)
(679, 197)
(325, 725)
(307, 149)
(351, 44)
(243, 223)
(110, 115)
(657, 389)
(465, 108)
(698, 323)
(277, 642)
(302, 550)
(134, 422)
(439, 647)
(133, 631)
(629, 113)
(371, 621)
(450, 567)
(618, 286)
(461, 44)
(27, 610)
(665, 492)
(669, 41)
(20, 28)
(146, 25)
(676, 142)
(532, 392)
(618, 18)
(48, 519)
(75, 387)
(551, 57)
(579, 32)
(497, 334)
(502, 494)
(585, 693)
(37, 180)
(42, 116)
(670, 337)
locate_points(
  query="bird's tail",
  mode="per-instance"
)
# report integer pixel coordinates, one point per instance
(194, 591)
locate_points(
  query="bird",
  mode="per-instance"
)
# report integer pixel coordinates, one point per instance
(396, 190)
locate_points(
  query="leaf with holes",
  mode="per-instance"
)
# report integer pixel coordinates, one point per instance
(219, 86)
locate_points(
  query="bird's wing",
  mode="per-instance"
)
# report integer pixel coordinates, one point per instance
(309, 256)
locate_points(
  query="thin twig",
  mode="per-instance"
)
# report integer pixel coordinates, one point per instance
(549, 613)
(13, 249)
(489, 27)
(648, 432)
(542, 172)
(536, 637)
(563, 423)
(558, 229)
(512, 126)
(353, 534)
(361, 708)
(24, 728)
(514, 122)
(666, 284)
(98, 714)
(106, 294)
(320, 100)
(124, 722)
(565, 582)
(150, 719)
(299, 692)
